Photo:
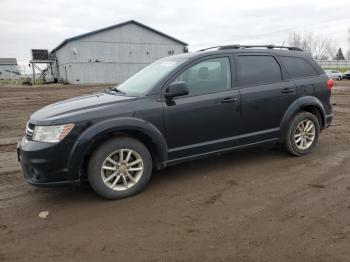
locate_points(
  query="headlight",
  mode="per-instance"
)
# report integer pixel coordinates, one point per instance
(51, 134)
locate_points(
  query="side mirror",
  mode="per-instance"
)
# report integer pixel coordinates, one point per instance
(175, 89)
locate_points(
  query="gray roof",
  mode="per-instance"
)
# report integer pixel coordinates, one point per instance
(115, 26)
(8, 61)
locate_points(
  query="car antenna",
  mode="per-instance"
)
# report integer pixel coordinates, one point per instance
(282, 44)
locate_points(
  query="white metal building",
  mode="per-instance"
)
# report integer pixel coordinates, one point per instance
(112, 54)
(9, 68)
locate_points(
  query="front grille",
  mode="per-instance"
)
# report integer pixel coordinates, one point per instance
(29, 131)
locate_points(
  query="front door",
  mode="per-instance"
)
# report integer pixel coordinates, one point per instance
(207, 119)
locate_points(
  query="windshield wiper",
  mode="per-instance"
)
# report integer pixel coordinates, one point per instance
(113, 90)
(118, 91)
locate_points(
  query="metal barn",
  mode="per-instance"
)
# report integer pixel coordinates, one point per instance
(112, 54)
(9, 68)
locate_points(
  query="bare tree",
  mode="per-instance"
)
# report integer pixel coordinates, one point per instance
(319, 47)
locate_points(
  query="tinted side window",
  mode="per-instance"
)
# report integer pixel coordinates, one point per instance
(258, 69)
(207, 76)
(298, 67)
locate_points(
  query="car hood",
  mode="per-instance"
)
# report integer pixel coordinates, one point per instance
(81, 106)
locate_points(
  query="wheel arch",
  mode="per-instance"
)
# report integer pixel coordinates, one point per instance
(315, 110)
(96, 134)
(306, 103)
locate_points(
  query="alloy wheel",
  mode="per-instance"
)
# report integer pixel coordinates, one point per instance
(122, 169)
(304, 134)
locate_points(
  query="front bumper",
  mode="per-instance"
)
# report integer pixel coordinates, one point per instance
(45, 164)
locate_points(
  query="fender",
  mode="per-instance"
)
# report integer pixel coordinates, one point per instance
(85, 141)
(296, 106)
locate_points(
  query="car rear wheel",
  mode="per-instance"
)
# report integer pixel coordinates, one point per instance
(302, 134)
(119, 168)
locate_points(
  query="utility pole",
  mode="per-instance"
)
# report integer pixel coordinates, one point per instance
(33, 73)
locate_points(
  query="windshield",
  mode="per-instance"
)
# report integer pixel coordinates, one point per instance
(144, 80)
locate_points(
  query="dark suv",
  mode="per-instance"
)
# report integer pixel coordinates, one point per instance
(178, 108)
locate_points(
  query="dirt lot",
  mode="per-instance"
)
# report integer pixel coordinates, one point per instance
(253, 205)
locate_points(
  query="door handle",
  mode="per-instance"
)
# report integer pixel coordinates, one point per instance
(229, 99)
(287, 90)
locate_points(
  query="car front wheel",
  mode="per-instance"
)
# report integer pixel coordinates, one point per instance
(119, 168)
(302, 134)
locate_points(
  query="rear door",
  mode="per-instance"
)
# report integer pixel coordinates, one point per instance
(266, 94)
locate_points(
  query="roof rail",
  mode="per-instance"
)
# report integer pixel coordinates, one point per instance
(224, 47)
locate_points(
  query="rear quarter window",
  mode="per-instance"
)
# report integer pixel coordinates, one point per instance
(298, 67)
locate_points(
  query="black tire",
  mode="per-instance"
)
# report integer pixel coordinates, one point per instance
(100, 155)
(290, 143)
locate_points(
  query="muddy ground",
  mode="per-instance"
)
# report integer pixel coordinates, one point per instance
(254, 205)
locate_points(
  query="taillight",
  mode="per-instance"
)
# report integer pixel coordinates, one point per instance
(330, 84)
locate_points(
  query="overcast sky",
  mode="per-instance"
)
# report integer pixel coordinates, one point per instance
(37, 24)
